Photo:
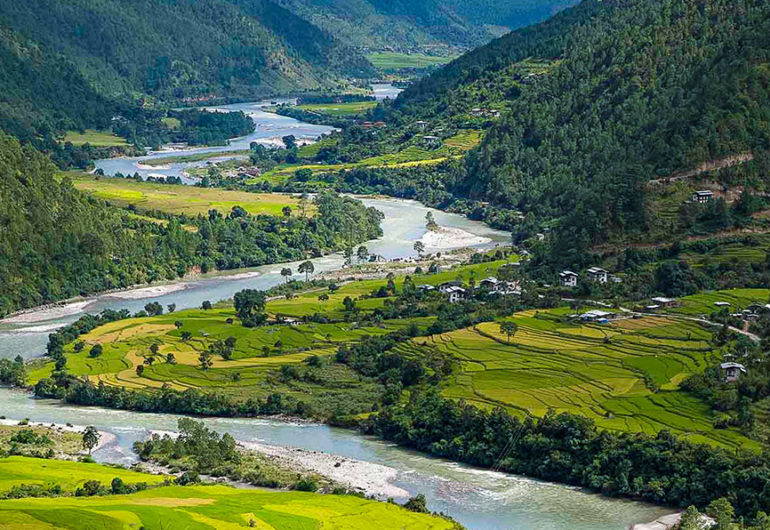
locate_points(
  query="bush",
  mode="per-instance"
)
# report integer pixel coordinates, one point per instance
(306, 484)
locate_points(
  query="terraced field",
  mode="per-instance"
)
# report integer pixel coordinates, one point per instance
(623, 375)
(94, 138)
(180, 199)
(212, 507)
(703, 303)
(251, 372)
(352, 108)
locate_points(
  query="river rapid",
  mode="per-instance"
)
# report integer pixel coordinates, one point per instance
(479, 499)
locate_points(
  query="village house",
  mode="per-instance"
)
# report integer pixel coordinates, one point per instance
(568, 278)
(421, 124)
(444, 287)
(596, 315)
(722, 304)
(490, 283)
(426, 288)
(431, 141)
(455, 294)
(731, 372)
(702, 196)
(665, 302)
(597, 274)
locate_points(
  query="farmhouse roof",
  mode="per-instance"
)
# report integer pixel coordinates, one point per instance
(727, 366)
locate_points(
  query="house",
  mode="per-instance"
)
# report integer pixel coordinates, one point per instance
(380, 124)
(702, 196)
(653, 307)
(455, 294)
(426, 288)
(596, 315)
(596, 274)
(722, 304)
(665, 302)
(421, 124)
(494, 113)
(477, 112)
(444, 287)
(490, 283)
(431, 141)
(731, 372)
(568, 278)
(756, 309)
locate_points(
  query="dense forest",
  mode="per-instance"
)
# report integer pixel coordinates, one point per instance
(56, 242)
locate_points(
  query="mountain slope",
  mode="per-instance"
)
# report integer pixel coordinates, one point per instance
(424, 25)
(235, 47)
(39, 92)
(641, 89)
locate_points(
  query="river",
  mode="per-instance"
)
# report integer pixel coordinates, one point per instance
(477, 498)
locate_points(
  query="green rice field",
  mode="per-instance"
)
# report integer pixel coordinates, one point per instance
(353, 108)
(95, 138)
(211, 507)
(392, 61)
(624, 375)
(18, 470)
(703, 303)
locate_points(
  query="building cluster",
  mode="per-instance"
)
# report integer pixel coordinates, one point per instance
(485, 113)
(456, 291)
(569, 278)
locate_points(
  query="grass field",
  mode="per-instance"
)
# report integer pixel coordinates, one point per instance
(624, 375)
(95, 138)
(391, 61)
(178, 199)
(18, 470)
(352, 108)
(212, 507)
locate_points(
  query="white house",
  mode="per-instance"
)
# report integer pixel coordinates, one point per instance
(731, 372)
(490, 283)
(597, 274)
(702, 196)
(568, 278)
(444, 287)
(722, 304)
(596, 315)
(455, 294)
(665, 302)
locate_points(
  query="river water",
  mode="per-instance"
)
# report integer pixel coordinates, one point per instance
(479, 499)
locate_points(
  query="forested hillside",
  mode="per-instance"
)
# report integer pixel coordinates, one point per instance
(56, 242)
(186, 47)
(639, 90)
(40, 93)
(424, 25)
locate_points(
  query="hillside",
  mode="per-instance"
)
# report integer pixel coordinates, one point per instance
(638, 90)
(434, 26)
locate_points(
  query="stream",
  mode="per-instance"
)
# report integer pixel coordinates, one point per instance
(479, 499)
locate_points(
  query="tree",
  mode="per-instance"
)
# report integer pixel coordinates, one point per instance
(430, 222)
(286, 273)
(96, 350)
(722, 512)
(303, 202)
(170, 358)
(153, 309)
(154, 348)
(250, 307)
(178, 324)
(417, 504)
(289, 141)
(508, 328)
(206, 305)
(362, 253)
(306, 267)
(323, 297)
(303, 175)
(419, 247)
(205, 359)
(286, 211)
(140, 370)
(186, 335)
(171, 308)
(91, 438)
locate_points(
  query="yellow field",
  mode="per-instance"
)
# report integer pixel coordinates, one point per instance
(178, 199)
